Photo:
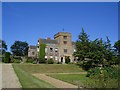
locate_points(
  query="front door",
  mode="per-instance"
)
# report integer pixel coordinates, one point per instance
(61, 59)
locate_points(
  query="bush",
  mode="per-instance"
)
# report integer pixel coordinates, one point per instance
(59, 62)
(7, 57)
(106, 77)
(93, 71)
(50, 61)
(71, 63)
(2, 59)
(35, 62)
(29, 60)
(67, 60)
(16, 61)
(41, 60)
(17, 57)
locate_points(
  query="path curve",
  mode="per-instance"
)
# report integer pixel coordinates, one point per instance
(9, 77)
(55, 82)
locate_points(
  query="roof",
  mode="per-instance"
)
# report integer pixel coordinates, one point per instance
(47, 41)
(32, 47)
(63, 33)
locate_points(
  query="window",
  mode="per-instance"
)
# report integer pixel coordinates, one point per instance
(51, 54)
(65, 37)
(51, 49)
(56, 49)
(65, 42)
(33, 53)
(65, 50)
(56, 58)
(74, 50)
(51, 57)
(45, 56)
(45, 50)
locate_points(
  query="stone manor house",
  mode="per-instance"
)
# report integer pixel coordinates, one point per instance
(58, 49)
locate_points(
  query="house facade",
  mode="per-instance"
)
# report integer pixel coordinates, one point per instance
(58, 49)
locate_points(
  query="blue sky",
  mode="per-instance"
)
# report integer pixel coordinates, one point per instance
(30, 21)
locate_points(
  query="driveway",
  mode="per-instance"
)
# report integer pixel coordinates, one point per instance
(9, 78)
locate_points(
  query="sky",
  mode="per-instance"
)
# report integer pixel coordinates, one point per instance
(29, 21)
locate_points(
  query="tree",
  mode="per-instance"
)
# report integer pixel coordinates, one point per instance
(117, 49)
(41, 53)
(93, 54)
(82, 49)
(82, 45)
(3, 46)
(117, 46)
(7, 57)
(19, 48)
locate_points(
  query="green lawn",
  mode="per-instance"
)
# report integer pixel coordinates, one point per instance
(25, 71)
(76, 79)
(29, 81)
(50, 68)
(83, 81)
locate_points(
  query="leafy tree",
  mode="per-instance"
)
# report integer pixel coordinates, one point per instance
(41, 53)
(7, 57)
(19, 48)
(3, 46)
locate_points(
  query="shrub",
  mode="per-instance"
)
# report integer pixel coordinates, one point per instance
(71, 63)
(29, 60)
(2, 59)
(17, 57)
(50, 61)
(105, 77)
(16, 61)
(41, 60)
(59, 62)
(67, 60)
(7, 57)
(35, 62)
(93, 71)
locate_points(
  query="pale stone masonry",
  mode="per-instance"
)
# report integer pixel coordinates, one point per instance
(32, 51)
(58, 49)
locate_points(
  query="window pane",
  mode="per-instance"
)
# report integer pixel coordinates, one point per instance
(65, 42)
(51, 49)
(65, 37)
(65, 50)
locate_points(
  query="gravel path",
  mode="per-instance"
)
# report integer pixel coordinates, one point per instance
(9, 78)
(55, 82)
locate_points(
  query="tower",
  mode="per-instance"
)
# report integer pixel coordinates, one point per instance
(65, 46)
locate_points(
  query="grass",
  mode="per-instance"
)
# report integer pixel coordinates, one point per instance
(50, 68)
(83, 81)
(29, 81)
(76, 79)
(25, 71)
